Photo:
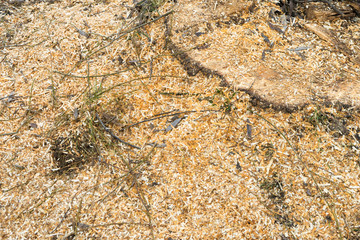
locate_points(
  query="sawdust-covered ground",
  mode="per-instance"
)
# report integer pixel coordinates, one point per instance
(105, 135)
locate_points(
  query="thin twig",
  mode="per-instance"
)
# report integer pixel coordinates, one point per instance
(26, 121)
(166, 115)
(23, 45)
(113, 135)
(140, 193)
(333, 7)
(118, 224)
(128, 31)
(66, 212)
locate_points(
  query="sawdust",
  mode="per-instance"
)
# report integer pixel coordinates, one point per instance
(243, 36)
(213, 164)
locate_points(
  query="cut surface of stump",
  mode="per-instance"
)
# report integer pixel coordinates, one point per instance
(282, 61)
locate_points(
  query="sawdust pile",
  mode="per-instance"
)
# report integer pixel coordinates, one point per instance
(105, 133)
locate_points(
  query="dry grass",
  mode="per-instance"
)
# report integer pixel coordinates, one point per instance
(228, 170)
